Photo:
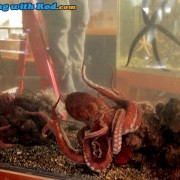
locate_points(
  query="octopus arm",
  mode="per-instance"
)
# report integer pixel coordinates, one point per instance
(45, 130)
(6, 145)
(130, 118)
(65, 146)
(46, 118)
(81, 135)
(98, 153)
(61, 138)
(4, 127)
(101, 90)
(98, 133)
(2, 144)
(117, 127)
(138, 119)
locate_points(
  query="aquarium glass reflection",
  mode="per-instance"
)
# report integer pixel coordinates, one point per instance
(149, 34)
(148, 46)
(94, 95)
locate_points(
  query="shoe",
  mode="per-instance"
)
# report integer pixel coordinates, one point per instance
(80, 85)
(67, 84)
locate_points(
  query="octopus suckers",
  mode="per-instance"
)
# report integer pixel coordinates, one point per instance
(126, 131)
(116, 139)
(92, 168)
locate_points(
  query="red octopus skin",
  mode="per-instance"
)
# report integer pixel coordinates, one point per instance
(98, 117)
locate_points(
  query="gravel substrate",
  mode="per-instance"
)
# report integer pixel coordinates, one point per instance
(150, 153)
(48, 159)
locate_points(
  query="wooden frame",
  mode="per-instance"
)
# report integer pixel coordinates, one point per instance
(129, 79)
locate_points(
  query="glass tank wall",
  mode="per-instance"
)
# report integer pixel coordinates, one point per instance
(148, 49)
(99, 52)
(89, 89)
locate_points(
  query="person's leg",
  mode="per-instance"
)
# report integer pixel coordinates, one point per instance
(79, 21)
(58, 26)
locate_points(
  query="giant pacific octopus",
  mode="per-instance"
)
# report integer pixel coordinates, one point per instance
(101, 137)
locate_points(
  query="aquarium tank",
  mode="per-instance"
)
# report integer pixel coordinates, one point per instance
(148, 49)
(90, 89)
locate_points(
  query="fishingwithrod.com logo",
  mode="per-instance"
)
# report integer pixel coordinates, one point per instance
(37, 6)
